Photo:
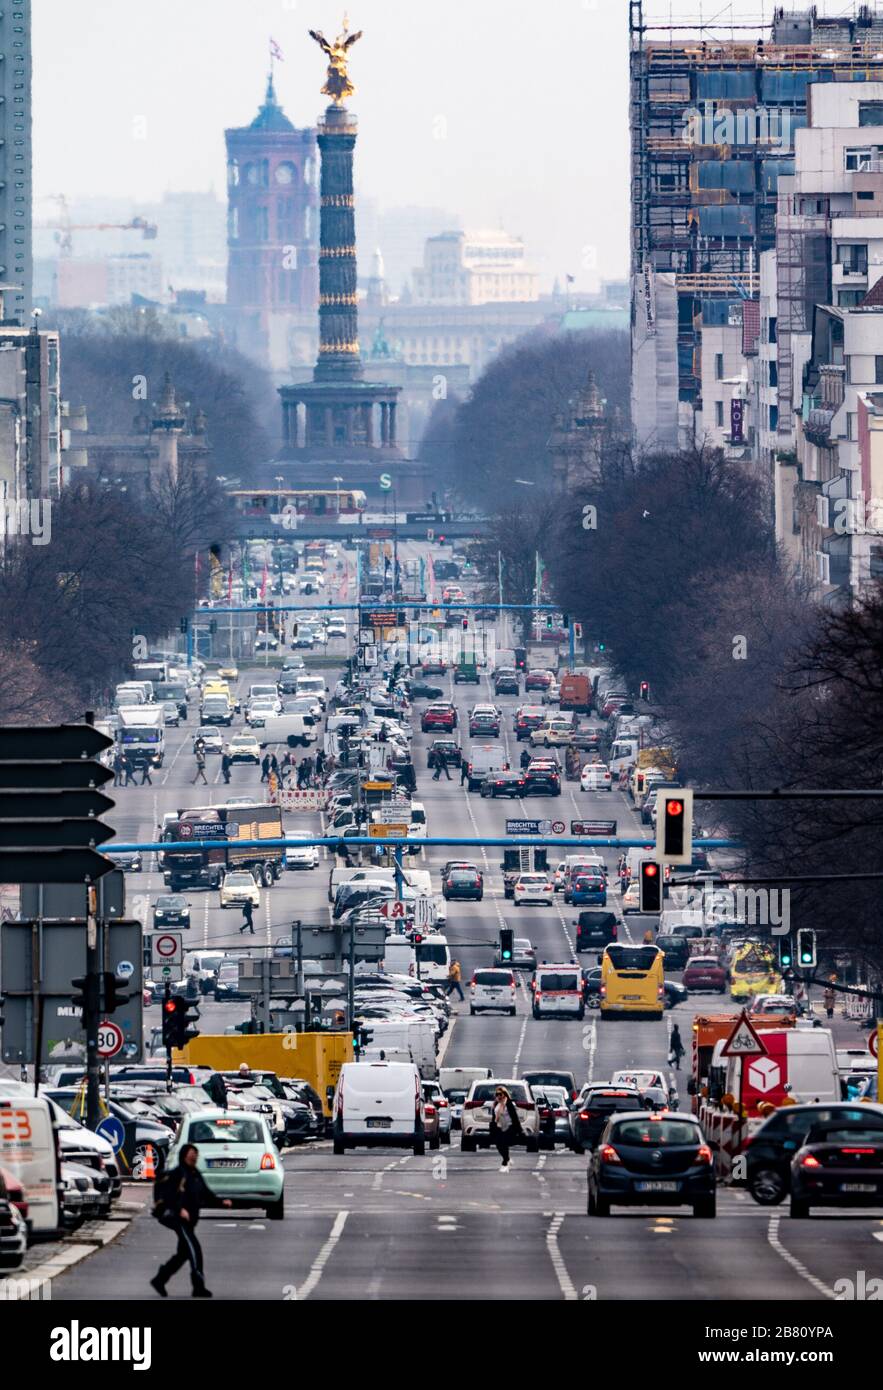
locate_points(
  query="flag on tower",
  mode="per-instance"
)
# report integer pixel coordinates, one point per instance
(276, 52)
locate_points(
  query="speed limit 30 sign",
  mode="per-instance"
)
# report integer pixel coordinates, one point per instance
(110, 1039)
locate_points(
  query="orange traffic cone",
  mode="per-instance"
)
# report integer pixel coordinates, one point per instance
(148, 1164)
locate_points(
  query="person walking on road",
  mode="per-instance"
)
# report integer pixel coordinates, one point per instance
(225, 766)
(118, 768)
(464, 770)
(247, 917)
(505, 1126)
(179, 1196)
(128, 769)
(454, 977)
(441, 765)
(525, 759)
(145, 773)
(200, 764)
(829, 999)
(675, 1047)
(285, 767)
(320, 763)
(265, 767)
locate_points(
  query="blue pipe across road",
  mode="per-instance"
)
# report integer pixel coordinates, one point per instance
(516, 841)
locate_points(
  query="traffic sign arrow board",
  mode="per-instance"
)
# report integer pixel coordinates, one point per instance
(743, 1041)
(53, 805)
(52, 865)
(54, 774)
(53, 741)
(52, 833)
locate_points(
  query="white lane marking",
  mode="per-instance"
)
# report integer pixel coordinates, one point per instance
(519, 1047)
(564, 1282)
(878, 1235)
(178, 752)
(324, 1255)
(378, 1177)
(792, 1260)
(590, 1042)
(205, 922)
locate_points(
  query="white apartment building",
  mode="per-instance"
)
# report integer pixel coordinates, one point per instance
(474, 268)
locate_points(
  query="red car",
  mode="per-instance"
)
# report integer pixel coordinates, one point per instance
(438, 717)
(612, 704)
(705, 973)
(538, 680)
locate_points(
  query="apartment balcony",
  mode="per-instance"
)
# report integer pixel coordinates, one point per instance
(832, 386)
(850, 277)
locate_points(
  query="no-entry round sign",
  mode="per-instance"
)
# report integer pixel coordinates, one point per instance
(872, 1043)
(166, 946)
(110, 1039)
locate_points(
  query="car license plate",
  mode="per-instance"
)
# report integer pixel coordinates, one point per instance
(657, 1186)
(226, 1163)
(858, 1187)
(631, 997)
(380, 1124)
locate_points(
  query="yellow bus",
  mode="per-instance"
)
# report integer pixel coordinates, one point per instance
(632, 981)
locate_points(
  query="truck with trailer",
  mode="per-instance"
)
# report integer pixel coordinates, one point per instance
(224, 826)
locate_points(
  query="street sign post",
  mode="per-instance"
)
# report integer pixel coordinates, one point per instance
(387, 832)
(527, 827)
(167, 955)
(743, 1042)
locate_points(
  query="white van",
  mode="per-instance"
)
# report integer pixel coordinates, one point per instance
(287, 728)
(492, 989)
(375, 875)
(399, 956)
(623, 753)
(558, 992)
(411, 1039)
(29, 1149)
(378, 1103)
(313, 685)
(433, 959)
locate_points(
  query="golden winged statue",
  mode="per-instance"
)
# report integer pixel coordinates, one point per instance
(337, 83)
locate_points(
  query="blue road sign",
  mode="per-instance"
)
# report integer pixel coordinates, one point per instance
(112, 1130)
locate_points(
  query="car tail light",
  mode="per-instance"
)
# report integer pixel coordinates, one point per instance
(472, 1104)
(810, 1161)
(561, 1113)
(603, 990)
(441, 1104)
(585, 1114)
(268, 1161)
(703, 1154)
(858, 1151)
(524, 1104)
(429, 1110)
(609, 1154)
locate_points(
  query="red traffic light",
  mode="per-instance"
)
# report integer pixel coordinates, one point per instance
(465, 624)
(170, 1006)
(674, 808)
(650, 870)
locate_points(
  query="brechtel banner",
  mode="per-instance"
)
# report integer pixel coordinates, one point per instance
(315, 799)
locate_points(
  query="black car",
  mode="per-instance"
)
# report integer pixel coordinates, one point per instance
(652, 1159)
(594, 1108)
(171, 910)
(840, 1164)
(595, 928)
(675, 950)
(544, 1077)
(770, 1150)
(506, 683)
(421, 690)
(464, 885)
(449, 750)
(502, 784)
(542, 781)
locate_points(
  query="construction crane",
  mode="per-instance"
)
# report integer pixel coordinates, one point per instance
(64, 227)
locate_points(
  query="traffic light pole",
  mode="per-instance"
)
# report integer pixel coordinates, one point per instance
(91, 1010)
(167, 994)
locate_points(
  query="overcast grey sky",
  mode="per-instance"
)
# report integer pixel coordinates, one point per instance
(511, 113)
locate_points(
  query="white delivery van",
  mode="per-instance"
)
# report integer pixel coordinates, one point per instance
(420, 880)
(378, 1103)
(141, 733)
(800, 1065)
(29, 1149)
(414, 1038)
(287, 728)
(433, 959)
(399, 956)
(623, 753)
(484, 758)
(313, 685)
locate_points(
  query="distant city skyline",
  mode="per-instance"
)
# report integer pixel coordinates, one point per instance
(508, 115)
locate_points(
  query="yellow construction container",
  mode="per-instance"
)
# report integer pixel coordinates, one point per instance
(313, 1057)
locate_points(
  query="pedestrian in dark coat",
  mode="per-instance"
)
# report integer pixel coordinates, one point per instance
(265, 767)
(128, 770)
(226, 764)
(179, 1196)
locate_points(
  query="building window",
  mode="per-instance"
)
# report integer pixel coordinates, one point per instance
(865, 195)
(774, 330)
(853, 258)
(774, 373)
(719, 414)
(774, 418)
(870, 113)
(850, 424)
(878, 371)
(857, 160)
(719, 366)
